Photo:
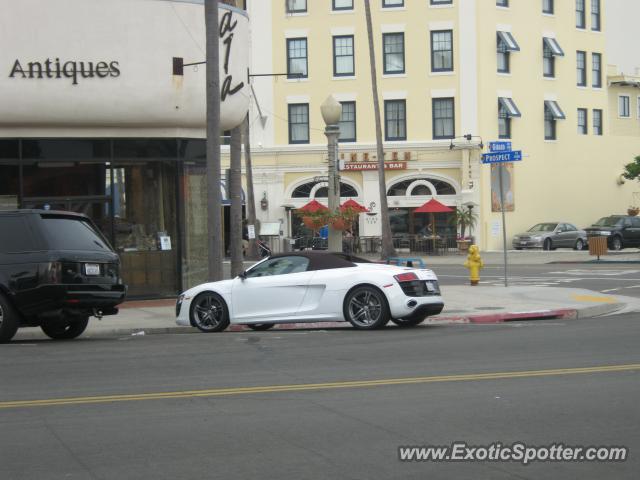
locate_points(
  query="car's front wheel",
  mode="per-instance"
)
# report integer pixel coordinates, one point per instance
(365, 307)
(408, 322)
(616, 243)
(260, 326)
(209, 313)
(547, 245)
(66, 328)
(8, 320)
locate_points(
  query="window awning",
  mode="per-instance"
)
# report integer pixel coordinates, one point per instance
(554, 46)
(554, 109)
(509, 107)
(508, 41)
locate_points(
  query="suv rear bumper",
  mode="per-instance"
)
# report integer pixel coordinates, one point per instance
(51, 298)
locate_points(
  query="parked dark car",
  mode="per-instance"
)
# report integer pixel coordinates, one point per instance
(56, 270)
(621, 231)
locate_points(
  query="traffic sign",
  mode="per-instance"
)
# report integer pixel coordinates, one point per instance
(502, 157)
(495, 147)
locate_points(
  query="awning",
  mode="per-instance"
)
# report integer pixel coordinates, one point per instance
(553, 45)
(509, 107)
(555, 109)
(508, 41)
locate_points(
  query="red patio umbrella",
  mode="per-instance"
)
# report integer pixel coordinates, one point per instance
(352, 204)
(431, 207)
(312, 207)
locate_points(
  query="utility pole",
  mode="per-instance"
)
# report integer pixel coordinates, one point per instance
(235, 195)
(252, 252)
(214, 203)
(387, 241)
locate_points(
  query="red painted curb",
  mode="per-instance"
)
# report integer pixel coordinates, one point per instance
(563, 313)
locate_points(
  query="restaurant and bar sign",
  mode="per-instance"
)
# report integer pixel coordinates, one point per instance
(374, 166)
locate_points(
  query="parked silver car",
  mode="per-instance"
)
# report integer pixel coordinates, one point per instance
(550, 236)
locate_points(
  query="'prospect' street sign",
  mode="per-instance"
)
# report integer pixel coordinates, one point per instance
(502, 157)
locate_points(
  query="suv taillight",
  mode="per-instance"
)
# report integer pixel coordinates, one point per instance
(51, 272)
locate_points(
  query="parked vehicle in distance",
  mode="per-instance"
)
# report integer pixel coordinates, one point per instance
(621, 231)
(56, 270)
(313, 287)
(551, 235)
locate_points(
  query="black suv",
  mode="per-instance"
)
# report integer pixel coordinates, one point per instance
(56, 270)
(621, 231)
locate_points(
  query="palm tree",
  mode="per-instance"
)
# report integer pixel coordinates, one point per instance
(235, 195)
(387, 241)
(214, 204)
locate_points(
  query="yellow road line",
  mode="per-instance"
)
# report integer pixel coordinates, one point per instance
(594, 299)
(219, 392)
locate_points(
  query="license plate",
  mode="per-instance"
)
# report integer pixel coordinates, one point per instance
(92, 269)
(430, 287)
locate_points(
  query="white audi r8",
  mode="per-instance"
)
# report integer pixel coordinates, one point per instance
(313, 287)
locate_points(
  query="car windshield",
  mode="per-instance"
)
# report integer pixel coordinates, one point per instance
(64, 233)
(608, 221)
(543, 227)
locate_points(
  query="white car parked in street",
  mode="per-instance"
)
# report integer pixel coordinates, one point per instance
(313, 287)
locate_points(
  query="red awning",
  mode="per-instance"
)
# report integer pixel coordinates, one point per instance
(352, 204)
(312, 207)
(433, 206)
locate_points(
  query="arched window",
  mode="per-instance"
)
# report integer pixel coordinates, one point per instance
(421, 187)
(304, 190)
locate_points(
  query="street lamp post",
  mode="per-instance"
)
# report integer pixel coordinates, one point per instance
(331, 112)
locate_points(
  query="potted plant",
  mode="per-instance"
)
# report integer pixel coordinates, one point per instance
(633, 211)
(463, 218)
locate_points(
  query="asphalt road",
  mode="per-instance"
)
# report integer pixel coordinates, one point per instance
(616, 279)
(294, 404)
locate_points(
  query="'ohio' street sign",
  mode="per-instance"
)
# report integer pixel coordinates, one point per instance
(495, 147)
(502, 157)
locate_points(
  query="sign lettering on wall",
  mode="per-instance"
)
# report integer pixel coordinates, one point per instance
(56, 68)
(374, 166)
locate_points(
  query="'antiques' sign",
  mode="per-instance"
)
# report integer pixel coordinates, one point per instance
(56, 68)
(374, 166)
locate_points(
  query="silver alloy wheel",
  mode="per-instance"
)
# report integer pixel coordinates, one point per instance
(208, 312)
(579, 244)
(365, 308)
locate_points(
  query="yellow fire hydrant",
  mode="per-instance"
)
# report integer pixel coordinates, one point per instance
(474, 263)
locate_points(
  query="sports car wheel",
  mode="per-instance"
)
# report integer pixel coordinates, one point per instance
(66, 328)
(408, 322)
(260, 326)
(209, 313)
(366, 308)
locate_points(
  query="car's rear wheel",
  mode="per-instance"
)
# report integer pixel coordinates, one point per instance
(209, 313)
(365, 307)
(579, 244)
(66, 328)
(260, 326)
(8, 320)
(616, 243)
(408, 322)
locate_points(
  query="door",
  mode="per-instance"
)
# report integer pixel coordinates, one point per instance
(633, 231)
(567, 235)
(272, 290)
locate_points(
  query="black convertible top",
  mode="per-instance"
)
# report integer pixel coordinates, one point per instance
(325, 260)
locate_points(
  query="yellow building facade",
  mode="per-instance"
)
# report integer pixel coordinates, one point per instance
(534, 73)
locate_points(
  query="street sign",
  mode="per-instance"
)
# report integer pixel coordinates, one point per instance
(495, 147)
(502, 157)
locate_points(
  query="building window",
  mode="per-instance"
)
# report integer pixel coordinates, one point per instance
(550, 50)
(306, 190)
(502, 3)
(298, 123)
(343, 4)
(395, 120)
(506, 44)
(547, 7)
(297, 58)
(581, 69)
(581, 18)
(441, 2)
(443, 118)
(597, 122)
(595, 15)
(343, 63)
(596, 70)
(582, 121)
(296, 6)
(552, 113)
(507, 109)
(393, 47)
(347, 122)
(623, 106)
(392, 3)
(442, 51)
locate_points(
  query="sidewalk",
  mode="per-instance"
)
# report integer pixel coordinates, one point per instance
(463, 304)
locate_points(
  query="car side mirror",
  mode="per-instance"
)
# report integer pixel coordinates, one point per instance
(243, 276)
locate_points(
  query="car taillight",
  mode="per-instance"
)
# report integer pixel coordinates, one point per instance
(52, 272)
(406, 277)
